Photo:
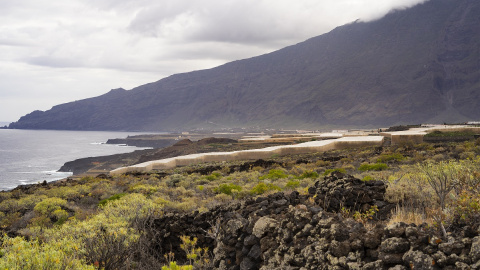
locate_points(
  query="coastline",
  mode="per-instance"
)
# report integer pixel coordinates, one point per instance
(32, 156)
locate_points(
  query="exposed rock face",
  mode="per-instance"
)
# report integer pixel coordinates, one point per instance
(287, 231)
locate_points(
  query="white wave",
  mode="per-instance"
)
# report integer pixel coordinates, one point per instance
(57, 173)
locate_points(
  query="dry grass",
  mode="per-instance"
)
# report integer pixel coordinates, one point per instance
(409, 216)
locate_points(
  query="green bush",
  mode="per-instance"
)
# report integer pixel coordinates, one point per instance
(373, 167)
(261, 188)
(367, 178)
(274, 174)
(60, 216)
(450, 134)
(228, 188)
(292, 184)
(10, 205)
(18, 253)
(112, 198)
(390, 157)
(174, 266)
(144, 189)
(49, 205)
(466, 208)
(213, 176)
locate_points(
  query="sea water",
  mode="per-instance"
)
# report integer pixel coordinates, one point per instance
(32, 156)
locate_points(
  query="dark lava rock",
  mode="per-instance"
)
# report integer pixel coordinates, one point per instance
(288, 231)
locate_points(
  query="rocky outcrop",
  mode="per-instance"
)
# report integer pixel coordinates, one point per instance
(339, 191)
(288, 231)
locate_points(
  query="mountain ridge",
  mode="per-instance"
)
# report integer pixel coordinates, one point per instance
(412, 65)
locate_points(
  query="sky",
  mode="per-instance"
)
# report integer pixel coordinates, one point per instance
(53, 52)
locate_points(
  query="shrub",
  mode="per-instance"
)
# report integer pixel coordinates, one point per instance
(144, 189)
(467, 155)
(367, 178)
(196, 255)
(442, 177)
(373, 167)
(322, 163)
(130, 206)
(213, 176)
(467, 208)
(292, 184)
(222, 198)
(17, 253)
(49, 205)
(8, 219)
(112, 198)
(173, 180)
(67, 192)
(438, 157)
(29, 202)
(174, 266)
(261, 188)
(107, 250)
(102, 189)
(60, 216)
(348, 167)
(390, 157)
(228, 188)
(9, 205)
(366, 216)
(274, 174)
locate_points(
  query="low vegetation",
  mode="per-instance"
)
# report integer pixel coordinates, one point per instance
(98, 223)
(450, 134)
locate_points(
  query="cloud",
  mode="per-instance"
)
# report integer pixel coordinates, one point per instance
(265, 22)
(54, 62)
(228, 21)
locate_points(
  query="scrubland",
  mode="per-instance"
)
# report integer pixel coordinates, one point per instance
(99, 223)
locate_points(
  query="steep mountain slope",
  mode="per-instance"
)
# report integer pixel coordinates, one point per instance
(416, 65)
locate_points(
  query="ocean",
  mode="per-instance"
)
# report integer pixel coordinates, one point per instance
(32, 156)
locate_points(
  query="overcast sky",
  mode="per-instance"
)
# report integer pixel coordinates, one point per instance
(53, 52)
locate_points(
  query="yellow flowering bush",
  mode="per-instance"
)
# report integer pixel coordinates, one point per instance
(20, 254)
